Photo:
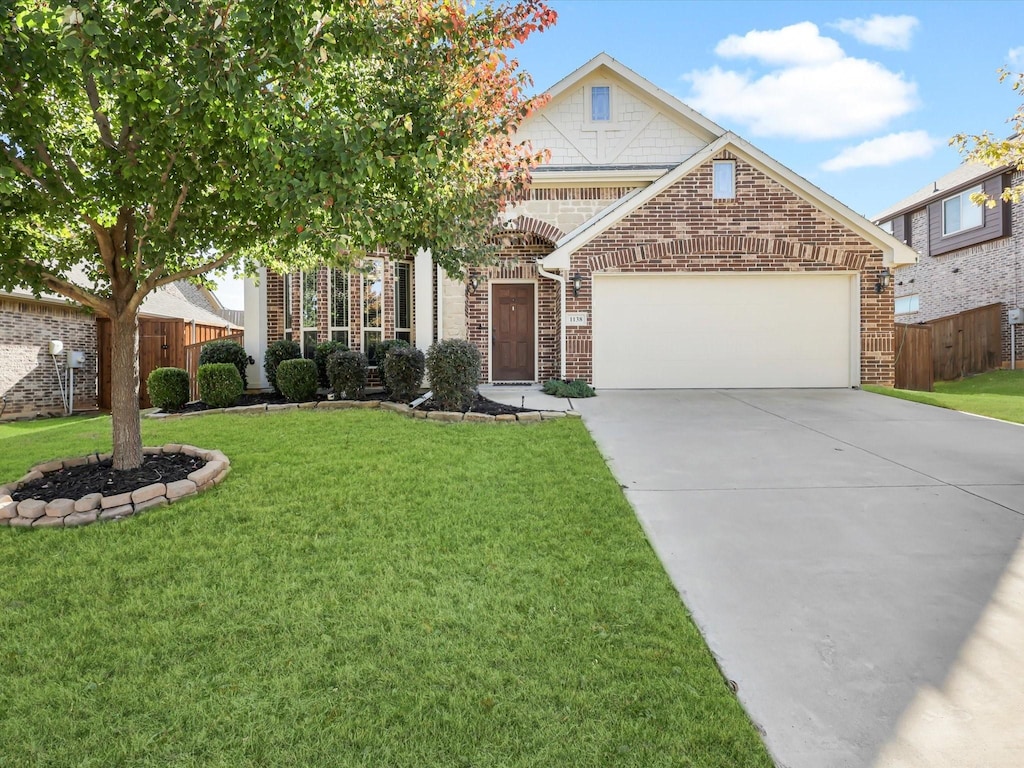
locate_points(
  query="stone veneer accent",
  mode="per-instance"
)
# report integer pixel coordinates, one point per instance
(71, 513)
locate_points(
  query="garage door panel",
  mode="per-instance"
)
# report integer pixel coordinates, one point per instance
(728, 331)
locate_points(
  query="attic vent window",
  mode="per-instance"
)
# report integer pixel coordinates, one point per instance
(601, 103)
(724, 180)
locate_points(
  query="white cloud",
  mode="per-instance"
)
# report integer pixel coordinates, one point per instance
(892, 32)
(1015, 56)
(835, 99)
(883, 151)
(796, 44)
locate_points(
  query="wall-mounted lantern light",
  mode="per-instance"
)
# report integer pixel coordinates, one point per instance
(883, 280)
(474, 283)
(577, 284)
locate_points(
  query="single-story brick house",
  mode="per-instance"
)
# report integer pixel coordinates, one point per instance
(655, 250)
(971, 255)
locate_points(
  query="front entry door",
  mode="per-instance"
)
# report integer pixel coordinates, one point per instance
(512, 332)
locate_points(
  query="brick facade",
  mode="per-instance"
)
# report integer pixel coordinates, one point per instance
(971, 277)
(766, 228)
(28, 381)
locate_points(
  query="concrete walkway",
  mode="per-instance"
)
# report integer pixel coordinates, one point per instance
(855, 562)
(525, 396)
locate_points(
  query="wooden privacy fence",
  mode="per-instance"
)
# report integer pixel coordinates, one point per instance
(192, 359)
(162, 344)
(949, 348)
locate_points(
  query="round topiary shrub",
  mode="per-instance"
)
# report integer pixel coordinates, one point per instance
(323, 351)
(278, 352)
(297, 379)
(347, 373)
(220, 386)
(402, 373)
(168, 388)
(453, 366)
(225, 351)
(378, 351)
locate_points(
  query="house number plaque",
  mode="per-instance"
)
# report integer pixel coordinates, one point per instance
(576, 318)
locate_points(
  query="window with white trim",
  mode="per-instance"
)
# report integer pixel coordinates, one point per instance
(373, 304)
(288, 306)
(886, 226)
(959, 212)
(724, 180)
(600, 103)
(403, 300)
(308, 295)
(339, 293)
(907, 304)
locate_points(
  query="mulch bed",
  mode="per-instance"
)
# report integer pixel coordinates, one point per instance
(480, 405)
(76, 482)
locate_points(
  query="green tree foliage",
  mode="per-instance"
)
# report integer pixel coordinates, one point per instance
(147, 141)
(998, 153)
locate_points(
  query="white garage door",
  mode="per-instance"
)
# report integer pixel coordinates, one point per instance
(725, 331)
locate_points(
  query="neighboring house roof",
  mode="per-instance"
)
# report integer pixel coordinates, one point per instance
(893, 251)
(966, 175)
(696, 120)
(179, 299)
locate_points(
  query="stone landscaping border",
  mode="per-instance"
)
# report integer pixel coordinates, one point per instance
(401, 408)
(71, 513)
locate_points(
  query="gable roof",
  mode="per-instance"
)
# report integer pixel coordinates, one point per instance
(966, 175)
(893, 251)
(700, 125)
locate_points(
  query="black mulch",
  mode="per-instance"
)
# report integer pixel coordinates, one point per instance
(480, 405)
(76, 482)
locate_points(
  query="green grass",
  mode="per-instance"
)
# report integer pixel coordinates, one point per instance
(362, 590)
(999, 394)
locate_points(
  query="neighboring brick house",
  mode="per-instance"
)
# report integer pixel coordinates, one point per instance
(29, 375)
(970, 255)
(654, 250)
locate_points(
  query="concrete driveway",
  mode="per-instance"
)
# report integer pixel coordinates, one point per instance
(855, 563)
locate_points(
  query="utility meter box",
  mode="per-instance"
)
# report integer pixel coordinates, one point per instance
(76, 359)
(1015, 315)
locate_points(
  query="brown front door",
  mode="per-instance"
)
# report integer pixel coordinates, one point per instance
(512, 332)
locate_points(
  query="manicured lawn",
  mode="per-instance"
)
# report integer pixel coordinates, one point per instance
(362, 590)
(999, 394)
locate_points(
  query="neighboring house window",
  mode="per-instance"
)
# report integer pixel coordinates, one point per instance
(403, 301)
(373, 305)
(287, 306)
(601, 103)
(724, 180)
(959, 213)
(309, 308)
(907, 304)
(339, 306)
(886, 226)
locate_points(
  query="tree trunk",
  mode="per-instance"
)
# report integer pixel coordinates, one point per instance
(124, 390)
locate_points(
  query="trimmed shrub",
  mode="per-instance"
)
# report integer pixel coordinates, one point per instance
(453, 366)
(225, 351)
(378, 351)
(403, 370)
(347, 373)
(297, 379)
(220, 386)
(576, 388)
(168, 388)
(277, 353)
(323, 351)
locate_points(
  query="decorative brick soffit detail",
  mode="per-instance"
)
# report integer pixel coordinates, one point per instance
(727, 245)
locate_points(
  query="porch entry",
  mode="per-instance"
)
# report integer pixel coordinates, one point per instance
(513, 332)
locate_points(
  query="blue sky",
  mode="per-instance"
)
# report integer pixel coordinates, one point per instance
(858, 97)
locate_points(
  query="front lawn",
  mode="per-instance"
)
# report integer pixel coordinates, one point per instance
(999, 394)
(362, 590)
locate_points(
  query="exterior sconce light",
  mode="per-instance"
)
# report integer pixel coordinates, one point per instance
(883, 280)
(577, 283)
(474, 283)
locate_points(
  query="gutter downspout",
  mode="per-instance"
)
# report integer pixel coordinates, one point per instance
(561, 282)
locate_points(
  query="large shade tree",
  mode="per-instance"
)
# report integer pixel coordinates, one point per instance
(147, 141)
